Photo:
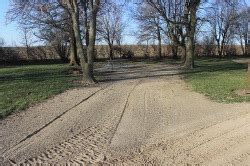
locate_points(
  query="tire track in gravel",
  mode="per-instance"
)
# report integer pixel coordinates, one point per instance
(224, 143)
(90, 144)
(46, 125)
(175, 132)
(204, 145)
(237, 154)
(5, 153)
(86, 147)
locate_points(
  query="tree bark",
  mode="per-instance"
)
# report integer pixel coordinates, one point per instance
(242, 47)
(191, 29)
(189, 62)
(85, 61)
(183, 56)
(159, 42)
(111, 52)
(89, 68)
(73, 52)
(246, 48)
(174, 48)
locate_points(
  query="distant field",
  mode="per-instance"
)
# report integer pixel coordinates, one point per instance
(22, 86)
(218, 79)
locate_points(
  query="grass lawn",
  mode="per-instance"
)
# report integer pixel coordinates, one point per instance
(218, 79)
(22, 86)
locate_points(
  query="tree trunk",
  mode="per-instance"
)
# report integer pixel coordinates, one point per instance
(91, 47)
(146, 55)
(246, 47)
(183, 56)
(85, 61)
(174, 51)
(222, 49)
(159, 42)
(86, 23)
(191, 27)
(28, 52)
(242, 47)
(73, 53)
(189, 62)
(219, 49)
(111, 54)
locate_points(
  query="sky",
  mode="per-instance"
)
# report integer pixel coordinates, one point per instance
(13, 36)
(9, 32)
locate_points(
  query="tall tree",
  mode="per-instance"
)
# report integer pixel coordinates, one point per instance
(223, 18)
(27, 40)
(187, 15)
(242, 28)
(111, 26)
(45, 18)
(86, 60)
(150, 25)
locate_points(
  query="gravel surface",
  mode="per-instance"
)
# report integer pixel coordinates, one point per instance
(134, 119)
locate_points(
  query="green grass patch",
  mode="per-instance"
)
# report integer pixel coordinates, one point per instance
(22, 86)
(218, 79)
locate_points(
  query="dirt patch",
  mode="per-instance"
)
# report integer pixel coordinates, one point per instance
(243, 92)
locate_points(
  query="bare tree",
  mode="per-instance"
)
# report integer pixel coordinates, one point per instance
(86, 60)
(176, 32)
(76, 18)
(111, 26)
(242, 29)
(223, 19)
(187, 14)
(144, 38)
(2, 42)
(45, 19)
(27, 40)
(150, 25)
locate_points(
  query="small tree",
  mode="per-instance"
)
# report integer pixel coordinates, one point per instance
(208, 45)
(27, 40)
(2, 42)
(111, 27)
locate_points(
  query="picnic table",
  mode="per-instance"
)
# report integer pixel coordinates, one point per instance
(117, 63)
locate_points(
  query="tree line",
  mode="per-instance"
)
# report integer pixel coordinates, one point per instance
(79, 24)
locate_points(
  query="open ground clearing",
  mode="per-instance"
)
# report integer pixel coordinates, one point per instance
(143, 114)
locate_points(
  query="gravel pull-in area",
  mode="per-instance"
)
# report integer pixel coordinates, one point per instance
(146, 119)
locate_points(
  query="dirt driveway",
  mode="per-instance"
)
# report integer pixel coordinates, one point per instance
(142, 114)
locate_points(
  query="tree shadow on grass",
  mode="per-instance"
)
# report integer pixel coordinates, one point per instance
(35, 76)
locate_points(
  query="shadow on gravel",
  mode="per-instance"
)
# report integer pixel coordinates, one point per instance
(147, 70)
(131, 70)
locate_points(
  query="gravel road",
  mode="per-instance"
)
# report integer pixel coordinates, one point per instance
(144, 114)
